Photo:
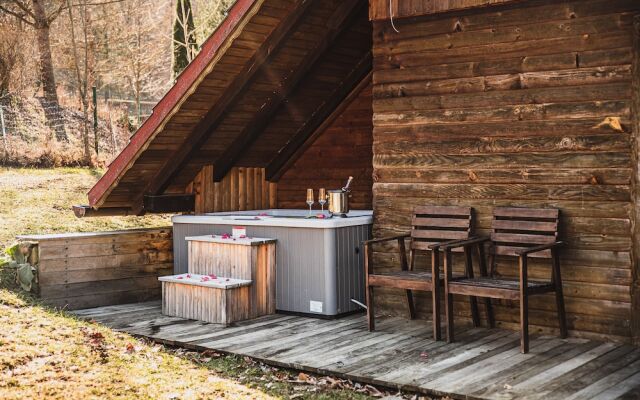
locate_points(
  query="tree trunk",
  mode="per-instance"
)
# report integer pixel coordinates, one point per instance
(44, 50)
(52, 105)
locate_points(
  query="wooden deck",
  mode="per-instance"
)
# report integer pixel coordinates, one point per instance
(482, 364)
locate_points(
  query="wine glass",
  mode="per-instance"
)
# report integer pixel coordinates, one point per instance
(322, 198)
(310, 199)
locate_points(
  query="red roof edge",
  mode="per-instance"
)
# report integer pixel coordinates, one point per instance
(161, 110)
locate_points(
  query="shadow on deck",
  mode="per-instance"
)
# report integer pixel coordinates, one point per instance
(482, 364)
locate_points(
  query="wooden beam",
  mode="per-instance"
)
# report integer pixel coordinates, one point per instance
(230, 97)
(336, 24)
(88, 211)
(635, 184)
(379, 9)
(323, 126)
(273, 170)
(168, 203)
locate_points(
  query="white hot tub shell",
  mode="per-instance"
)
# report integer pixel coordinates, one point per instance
(319, 262)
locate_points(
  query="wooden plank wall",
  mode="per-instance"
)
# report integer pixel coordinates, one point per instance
(86, 270)
(241, 189)
(343, 149)
(379, 9)
(520, 106)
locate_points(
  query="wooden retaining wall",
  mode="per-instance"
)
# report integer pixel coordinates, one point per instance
(520, 105)
(82, 270)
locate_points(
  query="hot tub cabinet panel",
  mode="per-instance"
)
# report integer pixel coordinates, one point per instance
(319, 266)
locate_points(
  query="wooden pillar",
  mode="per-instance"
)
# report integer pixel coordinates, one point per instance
(635, 184)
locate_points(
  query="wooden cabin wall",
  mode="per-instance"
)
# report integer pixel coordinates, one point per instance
(343, 149)
(517, 106)
(241, 189)
(379, 9)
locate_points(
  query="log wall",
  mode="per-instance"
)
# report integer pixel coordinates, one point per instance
(241, 189)
(521, 105)
(341, 150)
(84, 270)
(379, 9)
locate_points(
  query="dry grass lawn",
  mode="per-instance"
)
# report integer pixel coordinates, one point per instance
(39, 201)
(48, 354)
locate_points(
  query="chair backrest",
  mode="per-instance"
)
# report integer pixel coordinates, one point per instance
(436, 224)
(514, 229)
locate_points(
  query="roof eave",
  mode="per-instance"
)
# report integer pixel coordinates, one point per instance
(163, 109)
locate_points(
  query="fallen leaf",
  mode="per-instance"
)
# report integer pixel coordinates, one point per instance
(302, 377)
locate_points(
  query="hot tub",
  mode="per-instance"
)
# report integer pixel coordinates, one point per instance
(319, 265)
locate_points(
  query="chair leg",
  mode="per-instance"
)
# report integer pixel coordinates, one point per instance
(370, 312)
(524, 307)
(435, 293)
(411, 306)
(557, 280)
(483, 272)
(448, 297)
(475, 314)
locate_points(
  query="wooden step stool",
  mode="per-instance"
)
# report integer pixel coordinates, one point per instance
(252, 259)
(206, 298)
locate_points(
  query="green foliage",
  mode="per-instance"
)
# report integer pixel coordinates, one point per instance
(21, 258)
(185, 46)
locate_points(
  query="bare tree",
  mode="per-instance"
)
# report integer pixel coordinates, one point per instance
(185, 47)
(140, 53)
(39, 14)
(208, 14)
(9, 55)
(82, 78)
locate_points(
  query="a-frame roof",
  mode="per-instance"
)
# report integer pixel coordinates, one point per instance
(261, 85)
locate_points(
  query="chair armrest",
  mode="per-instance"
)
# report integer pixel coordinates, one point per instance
(386, 239)
(536, 249)
(461, 243)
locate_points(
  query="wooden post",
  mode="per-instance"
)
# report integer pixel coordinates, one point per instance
(635, 184)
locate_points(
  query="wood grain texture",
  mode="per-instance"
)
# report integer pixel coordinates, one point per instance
(522, 105)
(635, 183)
(379, 9)
(220, 306)
(256, 263)
(241, 189)
(343, 149)
(483, 364)
(90, 270)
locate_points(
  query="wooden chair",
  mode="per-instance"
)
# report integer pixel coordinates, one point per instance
(431, 227)
(521, 232)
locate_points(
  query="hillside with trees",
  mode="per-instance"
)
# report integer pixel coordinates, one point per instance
(77, 77)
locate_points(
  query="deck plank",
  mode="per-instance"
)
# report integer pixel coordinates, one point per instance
(481, 364)
(594, 370)
(501, 381)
